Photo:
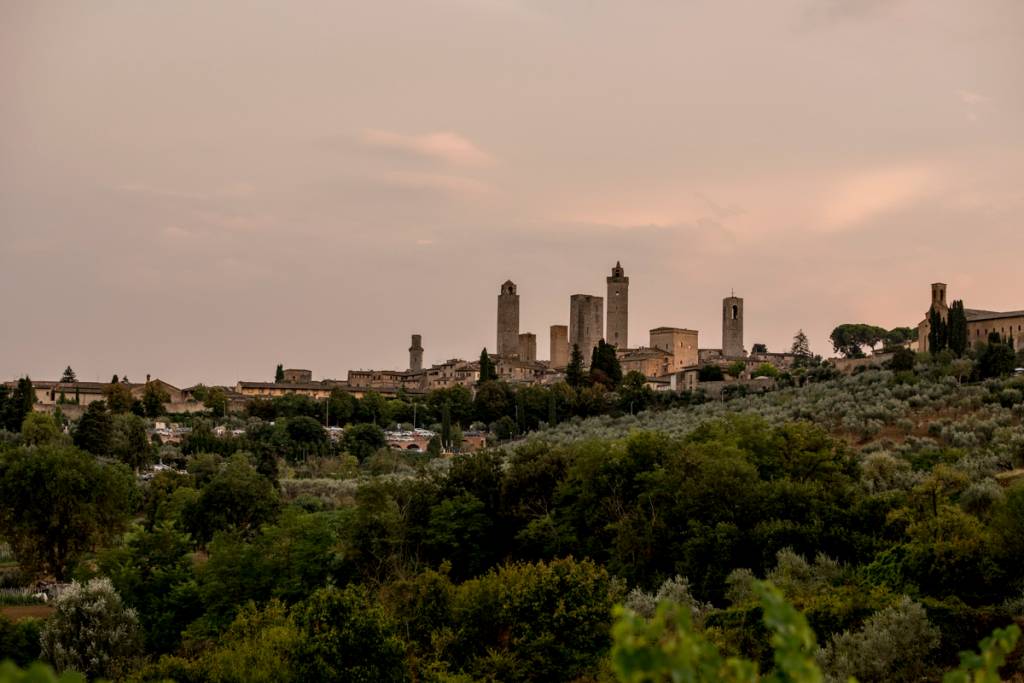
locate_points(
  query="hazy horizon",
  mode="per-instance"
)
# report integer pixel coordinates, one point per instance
(201, 191)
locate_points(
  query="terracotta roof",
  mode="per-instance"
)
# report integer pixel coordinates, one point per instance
(974, 315)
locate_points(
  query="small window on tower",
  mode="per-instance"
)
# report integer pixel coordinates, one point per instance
(735, 311)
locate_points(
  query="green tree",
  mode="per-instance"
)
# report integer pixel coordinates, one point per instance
(69, 376)
(258, 647)
(341, 407)
(153, 399)
(604, 366)
(903, 360)
(216, 402)
(736, 368)
(488, 372)
(446, 427)
(95, 429)
(91, 631)
(118, 397)
(363, 440)
(996, 360)
(345, 636)
(634, 394)
(957, 332)
(801, 348)
(938, 332)
(574, 376)
(39, 429)
(236, 498)
(57, 502)
(279, 374)
(850, 338)
(129, 442)
(492, 401)
(18, 404)
(152, 571)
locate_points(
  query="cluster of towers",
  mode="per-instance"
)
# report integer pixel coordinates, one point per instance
(586, 322)
(589, 323)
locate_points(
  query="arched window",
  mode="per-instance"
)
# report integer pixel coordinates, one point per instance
(735, 311)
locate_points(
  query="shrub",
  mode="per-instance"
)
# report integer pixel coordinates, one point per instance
(893, 645)
(91, 631)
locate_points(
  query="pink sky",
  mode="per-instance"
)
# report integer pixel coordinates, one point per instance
(201, 190)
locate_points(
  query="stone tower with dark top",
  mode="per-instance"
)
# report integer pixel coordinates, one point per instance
(586, 323)
(618, 308)
(416, 354)
(732, 327)
(508, 320)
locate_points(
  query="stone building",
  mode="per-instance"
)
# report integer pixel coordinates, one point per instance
(617, 333)
(508, 320)
(980, 323)
(649, 362)
(586, 323)
(528, 347)
(416, 354)
(294, 375)
(732, 327)
(559, 354)
(679, 343)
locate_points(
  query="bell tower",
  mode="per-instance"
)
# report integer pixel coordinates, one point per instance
(732, 327)
(617, 333)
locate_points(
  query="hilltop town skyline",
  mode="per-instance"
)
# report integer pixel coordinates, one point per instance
(214, 207)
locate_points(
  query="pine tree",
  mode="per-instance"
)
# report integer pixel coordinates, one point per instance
(801, 347)
(69, 375)
(279, 374)
(114, 379)
(574, 371)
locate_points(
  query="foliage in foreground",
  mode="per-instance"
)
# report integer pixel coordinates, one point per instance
(667, 647)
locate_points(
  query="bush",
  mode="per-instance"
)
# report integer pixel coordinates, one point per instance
(893, 645)
(91, 631)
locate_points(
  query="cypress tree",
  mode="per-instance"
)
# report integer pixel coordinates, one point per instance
(957, 328)
(938, 333)
(446, 426)
(279, 374)
(487, 369)
(574, 371)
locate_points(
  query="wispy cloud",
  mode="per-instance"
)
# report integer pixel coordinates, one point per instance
(448, 147)
(973, 101)
(863, 195)
(452, 184)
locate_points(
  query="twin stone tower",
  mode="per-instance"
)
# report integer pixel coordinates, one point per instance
(587, 323)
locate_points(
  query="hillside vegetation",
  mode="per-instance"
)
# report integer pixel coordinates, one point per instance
(867, 526)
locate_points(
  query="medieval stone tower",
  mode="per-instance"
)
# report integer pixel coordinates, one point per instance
(618, 308)
(939, 299)
(508, 320)
(416, 354)
(586, 323)
(528, 346)
(559, 346)
(732, 327)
